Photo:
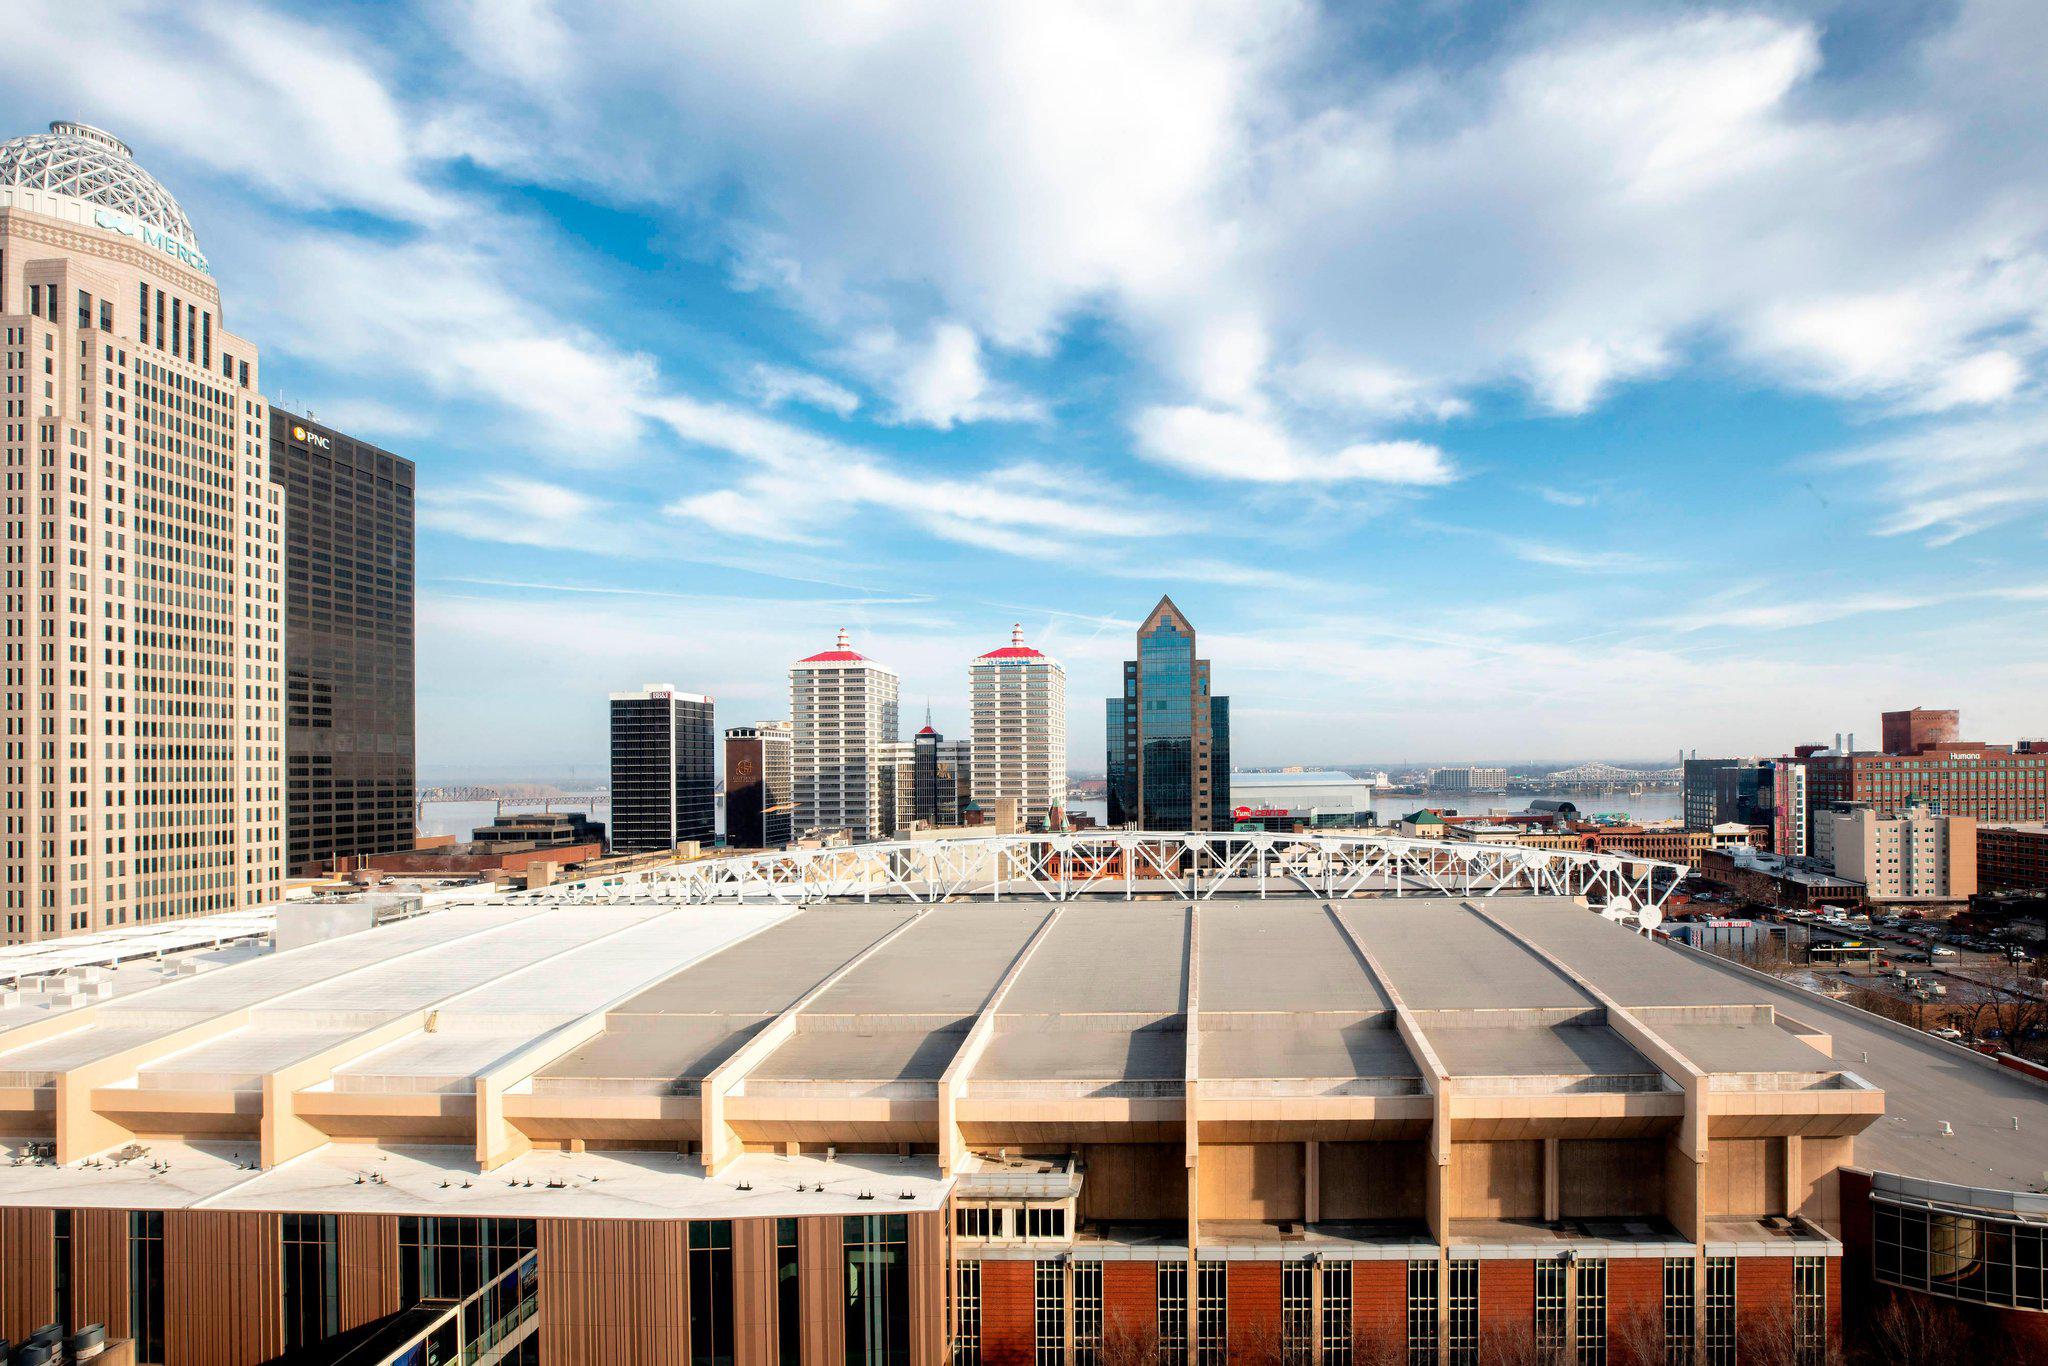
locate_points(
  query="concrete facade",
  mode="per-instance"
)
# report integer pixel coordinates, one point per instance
(1904, 856)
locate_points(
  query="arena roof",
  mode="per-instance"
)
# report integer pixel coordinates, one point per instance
(644, 1019)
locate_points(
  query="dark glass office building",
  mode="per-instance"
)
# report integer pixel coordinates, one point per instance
(348, 590)
(760, 786)
(663, 788)
(1168, 737)
(940, 778)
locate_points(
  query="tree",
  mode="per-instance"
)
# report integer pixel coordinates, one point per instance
(1919, 1330)
(2006, 997)
(1129, 1343)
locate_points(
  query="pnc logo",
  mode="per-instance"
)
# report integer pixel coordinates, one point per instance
(310, 438)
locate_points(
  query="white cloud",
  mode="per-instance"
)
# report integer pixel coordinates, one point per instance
(1219, 444)
(775, 385)
(1950, 479)
(516, 510)
(299, 109)
(940, 380)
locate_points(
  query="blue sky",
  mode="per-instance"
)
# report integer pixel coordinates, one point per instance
(1484, 380)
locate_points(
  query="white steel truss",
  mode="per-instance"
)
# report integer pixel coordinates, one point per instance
(1187, 866)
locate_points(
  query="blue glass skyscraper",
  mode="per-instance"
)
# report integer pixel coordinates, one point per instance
(1168, 738)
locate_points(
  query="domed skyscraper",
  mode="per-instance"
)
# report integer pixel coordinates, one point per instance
(144, 635)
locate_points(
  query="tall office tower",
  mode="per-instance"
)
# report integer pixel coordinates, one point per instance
(842, 708)
(143, 559)
(348, 538)
(663, 789)
(760, 794)
(1168, 737)
(941, 778)
(1019, 700)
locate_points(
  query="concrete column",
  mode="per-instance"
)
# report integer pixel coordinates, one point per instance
(1550, 1181)
(1312, 1184)
(1795, 1180)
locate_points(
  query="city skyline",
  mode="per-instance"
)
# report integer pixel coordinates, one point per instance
(863, 358)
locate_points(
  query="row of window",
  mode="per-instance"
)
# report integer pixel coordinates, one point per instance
(1440, 1322)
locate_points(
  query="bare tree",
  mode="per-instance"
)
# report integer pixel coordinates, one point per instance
(1885, 1004)
(1636, 1337)
(1517, 1346)
(2006, 997)
(1918, 1330)
(1128, 1342)
(1772, 1339)
(1266, 1344)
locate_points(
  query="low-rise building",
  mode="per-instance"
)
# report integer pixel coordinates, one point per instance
(1774, 880)
(2012, 858)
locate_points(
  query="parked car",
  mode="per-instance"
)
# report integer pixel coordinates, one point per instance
(1946, 1032)
(1943, 951)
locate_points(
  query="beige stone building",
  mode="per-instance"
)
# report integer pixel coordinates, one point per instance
(1019, 698)
(1914, 854)
(143, 613)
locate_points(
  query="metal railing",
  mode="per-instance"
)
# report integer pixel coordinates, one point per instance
(1192, 866)
(481, 1329)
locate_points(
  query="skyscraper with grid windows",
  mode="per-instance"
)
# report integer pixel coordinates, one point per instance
(144, 613)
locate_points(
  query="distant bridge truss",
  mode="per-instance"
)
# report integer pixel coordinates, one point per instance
(1134, 864)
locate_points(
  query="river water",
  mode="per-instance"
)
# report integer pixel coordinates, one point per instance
(459, 818)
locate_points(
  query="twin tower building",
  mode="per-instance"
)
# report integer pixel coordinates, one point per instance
(839, 763)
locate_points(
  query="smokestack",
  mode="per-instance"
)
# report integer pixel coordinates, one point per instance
(1852, 742)
(1838, 742)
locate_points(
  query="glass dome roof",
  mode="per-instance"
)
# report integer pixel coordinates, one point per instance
(79, 160)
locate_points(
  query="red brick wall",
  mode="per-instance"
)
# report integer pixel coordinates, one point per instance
(1763, 1294)
(1635, 1307)
(1507, 1301)
(1834, 1299)
(1130, 1297)
(1252, 1292)
(1006, 1317)
(1379, 1307)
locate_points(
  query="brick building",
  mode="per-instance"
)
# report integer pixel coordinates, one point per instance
(2012, 858)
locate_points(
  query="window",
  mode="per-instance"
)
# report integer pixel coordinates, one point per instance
(1810, 1309)
(1978, 1257)
(966, 1315)
(877, 1289)
(311, 1279)
(978, 1221)
(1678, 1316)
(1087, 1313)
(1336, 1313)
(1422, 1314)
(60, 1266)
(1297, 1310)
(452, 1258)
(1592, 1311)
(146, 1284)
(1048, 1313)
(789, 1332)
(1720, 1307)
(1550, 1302)
(1212, 1315)
(1464, 1313)
(1045, 1221)
(1173, 1312)
(710, 1252)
